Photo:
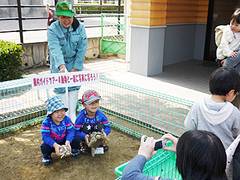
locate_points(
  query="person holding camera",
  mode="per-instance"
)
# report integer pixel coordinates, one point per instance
(200, 156)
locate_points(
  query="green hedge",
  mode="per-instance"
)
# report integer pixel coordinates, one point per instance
(10, 61)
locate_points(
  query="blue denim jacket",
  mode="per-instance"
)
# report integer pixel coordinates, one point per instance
(66, 47)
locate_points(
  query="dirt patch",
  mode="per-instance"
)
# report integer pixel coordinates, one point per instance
(20, 158)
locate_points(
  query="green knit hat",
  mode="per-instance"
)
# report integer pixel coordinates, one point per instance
(64, 9)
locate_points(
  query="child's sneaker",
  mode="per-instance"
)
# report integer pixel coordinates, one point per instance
(105, 148)
(75, 152)
(46, 160)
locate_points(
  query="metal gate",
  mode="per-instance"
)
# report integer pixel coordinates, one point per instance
(113, 34)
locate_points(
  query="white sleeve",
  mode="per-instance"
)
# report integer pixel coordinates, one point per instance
(224, 45)
(230, 152)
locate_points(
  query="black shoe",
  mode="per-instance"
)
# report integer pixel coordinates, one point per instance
(46, 160)
(84, 149)
(75, 152)
(105, 148)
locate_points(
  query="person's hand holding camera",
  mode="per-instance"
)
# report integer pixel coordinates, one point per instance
(171, 138)
(146, 147)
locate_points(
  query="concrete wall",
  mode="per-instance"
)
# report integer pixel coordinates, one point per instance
(36, 54)
(155, 47)
(184, 42)
(179, 34)
(200, 37)
(146, 55)
(156, 50)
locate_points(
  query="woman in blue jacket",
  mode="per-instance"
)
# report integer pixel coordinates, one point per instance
(200, 156)
(67, 44)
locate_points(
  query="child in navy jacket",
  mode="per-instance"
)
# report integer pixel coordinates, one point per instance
(57, 129)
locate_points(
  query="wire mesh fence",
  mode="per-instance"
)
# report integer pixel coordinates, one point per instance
(131, 109)
(141, 107)
(113, 34)
(20, 105)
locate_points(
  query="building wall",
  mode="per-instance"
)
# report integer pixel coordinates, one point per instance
(146, 50)
(187, 11)
(163, 12)
(199, 41)
(184, 42)
(183, 23)
(185, 33)
(179, 43)
(148, 12)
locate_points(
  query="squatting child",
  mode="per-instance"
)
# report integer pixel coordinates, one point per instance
(91, 118)
(57, 129)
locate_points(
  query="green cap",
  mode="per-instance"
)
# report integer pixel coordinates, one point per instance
(64, 9)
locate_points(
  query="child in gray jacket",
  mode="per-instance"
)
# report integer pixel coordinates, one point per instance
(216, 113)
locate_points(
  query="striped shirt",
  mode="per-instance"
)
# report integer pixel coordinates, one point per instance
(51, 132)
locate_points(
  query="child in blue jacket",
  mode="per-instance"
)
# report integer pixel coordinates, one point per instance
(57, 129)
(91, 118)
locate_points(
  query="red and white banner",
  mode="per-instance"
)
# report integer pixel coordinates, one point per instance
(64, 79)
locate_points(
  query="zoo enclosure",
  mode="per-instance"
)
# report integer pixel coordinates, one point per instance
(131, 109)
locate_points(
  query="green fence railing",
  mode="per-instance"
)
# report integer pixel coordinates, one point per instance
(113, 34)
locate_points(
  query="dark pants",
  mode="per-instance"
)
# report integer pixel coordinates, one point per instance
(236, 163)
(48, 150)
(233, 62)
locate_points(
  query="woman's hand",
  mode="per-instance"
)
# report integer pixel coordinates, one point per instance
(146, 147)
(171, 138)
(74, 70)
(62, 68)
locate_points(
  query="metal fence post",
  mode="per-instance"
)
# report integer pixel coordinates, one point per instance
(19, 8)
(101, 6)
(119, 21)
(119, 6)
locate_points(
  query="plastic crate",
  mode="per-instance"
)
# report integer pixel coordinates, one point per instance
(162, 164)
